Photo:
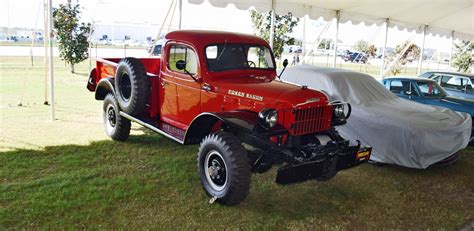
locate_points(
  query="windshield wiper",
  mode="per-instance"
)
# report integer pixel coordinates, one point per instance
(223, 49)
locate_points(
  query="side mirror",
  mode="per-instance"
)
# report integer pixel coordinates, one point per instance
(408, 93)
(180, 64)
(285, 63)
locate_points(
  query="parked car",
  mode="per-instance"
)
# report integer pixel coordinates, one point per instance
(295, 49)
(342, 53)
(156, 50)
(455, 84)
(427, 91)
(357, 57)
(218, 90)
(400, 131)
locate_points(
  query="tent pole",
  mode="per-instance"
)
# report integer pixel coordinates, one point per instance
(316, 42)
(451, 51)
(45, 44)
(420, 61)
(272, 24)
(382, 66)
(336, 38)
(50, 40)
(161, 28)
(180, 13)
(304, 37)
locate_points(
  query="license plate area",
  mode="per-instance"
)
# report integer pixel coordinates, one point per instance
(363, 155)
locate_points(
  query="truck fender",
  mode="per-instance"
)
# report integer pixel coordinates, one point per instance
(104, 86)
(91, 82)
(203, 124)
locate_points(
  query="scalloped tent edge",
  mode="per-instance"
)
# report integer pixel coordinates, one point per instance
(443, 17)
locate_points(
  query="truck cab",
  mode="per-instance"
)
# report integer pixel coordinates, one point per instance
(221, 90)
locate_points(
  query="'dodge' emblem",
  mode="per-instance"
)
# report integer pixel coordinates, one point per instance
(312, 100)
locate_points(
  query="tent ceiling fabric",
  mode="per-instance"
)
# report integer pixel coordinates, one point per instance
(442, 16)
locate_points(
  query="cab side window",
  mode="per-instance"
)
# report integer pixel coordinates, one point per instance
(469, 85)
(436, 78)
(403, 87)
(444, 80)
(429, 89)
(396, 86)
(459, 83)
(182, 52)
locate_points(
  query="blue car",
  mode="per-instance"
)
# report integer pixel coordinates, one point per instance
(455, 84)
(427, 91)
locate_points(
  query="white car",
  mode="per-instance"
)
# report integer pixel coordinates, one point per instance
(401, 132)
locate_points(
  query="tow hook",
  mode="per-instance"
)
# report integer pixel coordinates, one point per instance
(212, 200)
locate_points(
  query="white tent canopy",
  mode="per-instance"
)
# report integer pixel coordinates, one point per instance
(443, 17)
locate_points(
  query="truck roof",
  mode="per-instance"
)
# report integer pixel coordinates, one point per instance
(205, 37)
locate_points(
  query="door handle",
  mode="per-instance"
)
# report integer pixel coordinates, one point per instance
(206, 87)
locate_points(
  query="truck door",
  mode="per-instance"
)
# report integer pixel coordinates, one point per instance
(182, 106)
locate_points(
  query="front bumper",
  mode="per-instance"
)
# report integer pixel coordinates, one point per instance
(325, 163)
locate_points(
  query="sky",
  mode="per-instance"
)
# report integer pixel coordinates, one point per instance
(29, 14)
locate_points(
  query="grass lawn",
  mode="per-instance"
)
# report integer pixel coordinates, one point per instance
(67, 174)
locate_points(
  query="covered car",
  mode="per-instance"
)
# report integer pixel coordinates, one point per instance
(401, 132)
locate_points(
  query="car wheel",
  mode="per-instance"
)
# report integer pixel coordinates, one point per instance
(116, 126)
(447, 161)
(224, 168)
(132, 86)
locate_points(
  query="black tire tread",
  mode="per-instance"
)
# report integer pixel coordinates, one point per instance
(123, 125)
(140, 85)
(238, 165)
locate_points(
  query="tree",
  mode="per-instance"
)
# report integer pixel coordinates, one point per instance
(284, 26)
(371, 50)
(361, 46)
(404, 53)
(325, 44)
(463, 59)
(71, 35)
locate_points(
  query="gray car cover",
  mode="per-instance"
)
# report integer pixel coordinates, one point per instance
(400, 131)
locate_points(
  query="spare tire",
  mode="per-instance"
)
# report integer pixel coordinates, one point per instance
(132, 86)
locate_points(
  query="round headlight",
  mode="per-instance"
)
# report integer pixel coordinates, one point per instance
(269, 117)
(339, 111)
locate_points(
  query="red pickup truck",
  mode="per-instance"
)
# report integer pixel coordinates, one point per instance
(220, 90)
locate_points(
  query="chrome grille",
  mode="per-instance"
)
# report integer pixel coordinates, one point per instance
(310, 120)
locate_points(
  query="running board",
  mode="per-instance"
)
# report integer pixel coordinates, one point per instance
(152, 127)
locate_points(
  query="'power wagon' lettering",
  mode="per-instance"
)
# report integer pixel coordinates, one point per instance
(245, 95)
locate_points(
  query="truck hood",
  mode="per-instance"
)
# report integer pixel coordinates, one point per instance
(272, 93)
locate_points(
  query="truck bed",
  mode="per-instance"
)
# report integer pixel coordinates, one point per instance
(105, 67)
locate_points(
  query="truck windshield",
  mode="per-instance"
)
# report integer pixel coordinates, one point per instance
(221, 57)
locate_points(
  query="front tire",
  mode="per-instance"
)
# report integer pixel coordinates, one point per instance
(116, 126)
(223, 168)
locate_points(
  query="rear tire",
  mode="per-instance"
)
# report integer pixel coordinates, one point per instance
(116, 126)
(224, 168)
(132, 86)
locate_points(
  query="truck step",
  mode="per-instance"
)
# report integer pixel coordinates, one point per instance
(164, 129)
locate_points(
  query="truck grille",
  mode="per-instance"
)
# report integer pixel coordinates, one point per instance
(310, 120)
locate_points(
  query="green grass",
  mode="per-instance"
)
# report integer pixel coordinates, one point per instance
(67, 174)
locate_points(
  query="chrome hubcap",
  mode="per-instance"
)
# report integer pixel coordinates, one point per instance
(111, 117)
(216, 170)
